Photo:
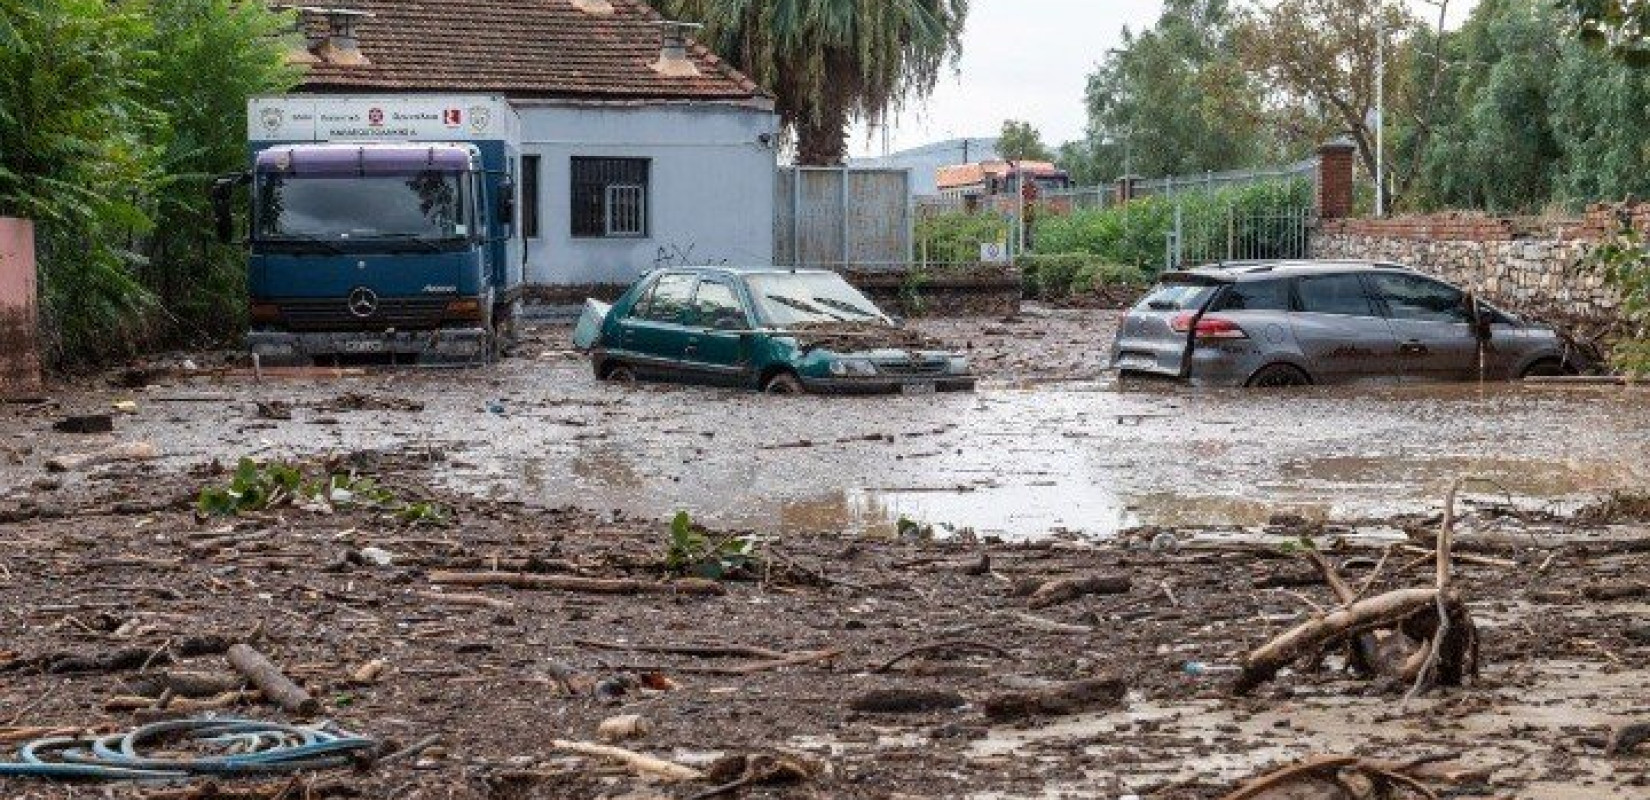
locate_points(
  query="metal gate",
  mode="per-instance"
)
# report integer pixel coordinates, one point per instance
(1280, 233)
(843, 217)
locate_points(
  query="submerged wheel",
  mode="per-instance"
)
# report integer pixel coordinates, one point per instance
(1278, 375)
(784, 383)
(620, 373)
(1546, 368)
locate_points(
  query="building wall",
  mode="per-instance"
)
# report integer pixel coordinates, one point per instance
(710, 198)
(19, 343)
(1526, 266)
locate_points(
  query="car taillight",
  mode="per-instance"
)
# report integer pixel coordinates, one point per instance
(1208, 327)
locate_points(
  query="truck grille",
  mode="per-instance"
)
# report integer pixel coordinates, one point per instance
(401, 313)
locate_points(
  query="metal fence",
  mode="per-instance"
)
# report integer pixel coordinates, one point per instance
(1211, 182)
(1281, 233)
(844, 217)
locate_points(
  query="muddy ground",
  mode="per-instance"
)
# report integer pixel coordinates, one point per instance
(536, 469)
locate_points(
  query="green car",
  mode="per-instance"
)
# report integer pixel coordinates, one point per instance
(783, 331)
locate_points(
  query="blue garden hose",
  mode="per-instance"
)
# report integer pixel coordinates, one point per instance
(254, 747)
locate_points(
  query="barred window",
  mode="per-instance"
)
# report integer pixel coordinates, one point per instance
(530, 197)
(610, 197)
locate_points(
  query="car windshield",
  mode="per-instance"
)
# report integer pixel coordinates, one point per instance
(428, 205)
(1176, 297)
(811, 297)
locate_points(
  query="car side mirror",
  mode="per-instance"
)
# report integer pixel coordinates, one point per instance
(1482, 323)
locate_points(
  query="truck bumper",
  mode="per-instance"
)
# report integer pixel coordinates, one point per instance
(445, 345)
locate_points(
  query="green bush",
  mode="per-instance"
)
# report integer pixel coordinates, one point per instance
(955, 238)
(1254, 217)
(1059, 275)
(113, 119)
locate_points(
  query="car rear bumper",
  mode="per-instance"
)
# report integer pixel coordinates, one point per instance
(441, 345)
(1211, 366)
(959, 383)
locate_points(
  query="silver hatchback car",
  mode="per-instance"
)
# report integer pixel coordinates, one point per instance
(1293, 323)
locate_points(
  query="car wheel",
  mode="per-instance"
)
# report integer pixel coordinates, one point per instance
(784, 383)
(1277, 375)
(1546, 368)
(621, 373)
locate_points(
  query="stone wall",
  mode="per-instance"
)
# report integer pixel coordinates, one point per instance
(1524, 265)
(19, 342)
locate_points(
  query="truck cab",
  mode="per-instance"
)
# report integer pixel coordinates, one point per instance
(397, 242)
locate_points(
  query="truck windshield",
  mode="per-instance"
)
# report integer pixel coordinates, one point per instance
(427, 205)
(805, 298)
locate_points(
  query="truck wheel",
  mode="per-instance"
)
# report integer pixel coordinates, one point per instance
(785, 383)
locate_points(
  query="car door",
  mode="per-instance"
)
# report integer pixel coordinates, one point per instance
(715, 347)
(1341, 331)
(656, 335)
(1433, 325)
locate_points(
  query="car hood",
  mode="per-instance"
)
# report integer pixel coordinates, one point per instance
(860, 339)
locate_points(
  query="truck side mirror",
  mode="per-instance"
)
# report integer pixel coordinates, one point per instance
(507, 203)
(223, 212)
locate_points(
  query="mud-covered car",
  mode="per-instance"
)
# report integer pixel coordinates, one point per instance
(783, 331)
(1294, 323)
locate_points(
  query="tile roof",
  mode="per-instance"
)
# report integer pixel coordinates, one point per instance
(971, 174)
(520, 48)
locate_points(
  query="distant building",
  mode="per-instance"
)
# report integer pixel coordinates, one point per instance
(925, 161)
(993, 178)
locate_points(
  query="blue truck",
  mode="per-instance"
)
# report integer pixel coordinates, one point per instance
(380, 227)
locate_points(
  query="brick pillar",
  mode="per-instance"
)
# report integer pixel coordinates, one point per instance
(19, 343)
(1335, 162)
(1123, 190)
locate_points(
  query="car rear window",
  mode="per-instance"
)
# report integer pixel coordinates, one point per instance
(1335, 294)
(1255, 296)
(1176, 297)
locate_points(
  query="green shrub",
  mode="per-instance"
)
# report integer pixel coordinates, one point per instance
(1052, 276)
(955, 238)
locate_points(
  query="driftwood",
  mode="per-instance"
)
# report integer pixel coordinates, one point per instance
(668, 771)
(1065, 590)
(1323, 774)
(791, 660)
(949, 645)
(276, 686)
(567, 583)
(182, 705)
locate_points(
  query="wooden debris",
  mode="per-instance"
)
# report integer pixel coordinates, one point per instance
(567, 583)
(668, 771)
(625, 726)
(1065, 590)
(280, 689)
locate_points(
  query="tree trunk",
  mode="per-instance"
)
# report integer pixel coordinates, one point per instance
(823, 142)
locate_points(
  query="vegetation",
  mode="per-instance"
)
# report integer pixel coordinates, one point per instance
(955, 238)
(1020, 141)
(1062, 275)
(828, 62)
(1625, 264)
(693, 553)
(1135, 234)
(256, 487)
(1621, 27)
(113, 116)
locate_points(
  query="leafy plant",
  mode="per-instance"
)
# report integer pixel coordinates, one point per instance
(1624, 261)
(694, 553)
(259, 487)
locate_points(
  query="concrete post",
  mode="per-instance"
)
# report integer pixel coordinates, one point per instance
(19, 319)
(1335, 163)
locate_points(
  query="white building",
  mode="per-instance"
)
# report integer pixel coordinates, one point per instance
(639, 148)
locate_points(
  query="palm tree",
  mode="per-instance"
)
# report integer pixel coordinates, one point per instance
(828, 62)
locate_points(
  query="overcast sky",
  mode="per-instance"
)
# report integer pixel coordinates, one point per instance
(1028, 59)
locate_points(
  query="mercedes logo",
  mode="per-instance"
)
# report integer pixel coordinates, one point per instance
(363, 302)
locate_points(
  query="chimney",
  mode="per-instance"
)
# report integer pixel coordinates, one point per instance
(341, 48)
(673, 52)
(331, 33)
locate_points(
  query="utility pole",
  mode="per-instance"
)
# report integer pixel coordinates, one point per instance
(1380, 108)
